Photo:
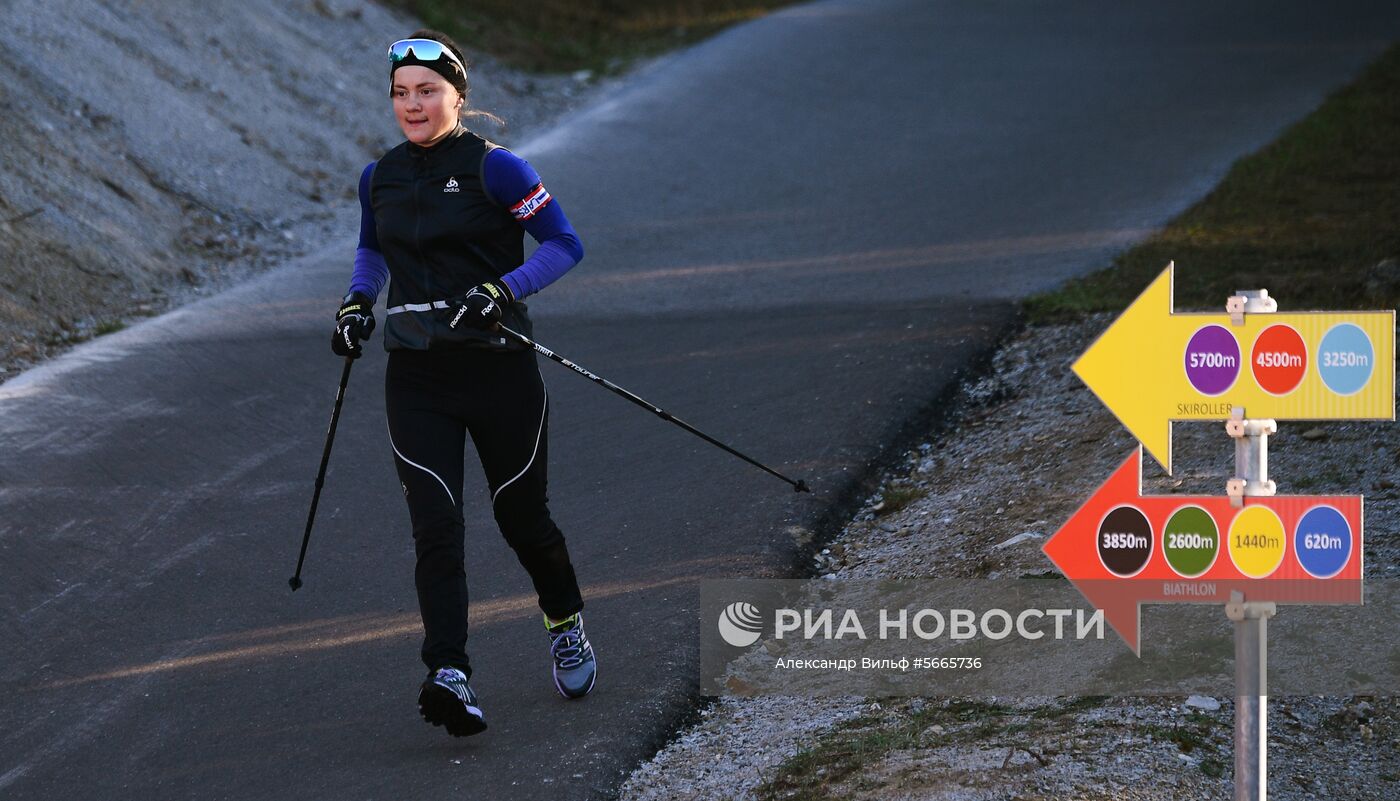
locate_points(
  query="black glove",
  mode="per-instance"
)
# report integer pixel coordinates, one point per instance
(353, 323)
(481, 306)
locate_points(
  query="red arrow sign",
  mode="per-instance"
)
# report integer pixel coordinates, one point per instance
(1122, 549)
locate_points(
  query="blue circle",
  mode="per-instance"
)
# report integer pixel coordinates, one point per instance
(1323, 542)
(1345, 359)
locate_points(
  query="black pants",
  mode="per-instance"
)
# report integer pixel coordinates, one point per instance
(434, 399)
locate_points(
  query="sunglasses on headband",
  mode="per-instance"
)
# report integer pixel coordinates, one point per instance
(422, 50)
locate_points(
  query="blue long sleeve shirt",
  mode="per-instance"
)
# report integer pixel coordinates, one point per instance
(511, 182)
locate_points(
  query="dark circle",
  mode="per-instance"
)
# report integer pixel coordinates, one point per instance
(1125, 541)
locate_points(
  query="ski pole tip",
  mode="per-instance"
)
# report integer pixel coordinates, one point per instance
(295, 583)
(800, 486)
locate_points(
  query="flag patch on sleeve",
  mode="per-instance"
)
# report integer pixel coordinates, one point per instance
(536, 199)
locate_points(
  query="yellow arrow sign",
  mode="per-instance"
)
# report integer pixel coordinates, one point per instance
(1152, 366)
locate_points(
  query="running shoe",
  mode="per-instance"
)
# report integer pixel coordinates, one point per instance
(447, 700)
(574, 666)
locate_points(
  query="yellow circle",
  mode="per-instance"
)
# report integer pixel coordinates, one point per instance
(1256, 541)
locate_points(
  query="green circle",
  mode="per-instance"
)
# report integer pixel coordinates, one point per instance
(1191, 541)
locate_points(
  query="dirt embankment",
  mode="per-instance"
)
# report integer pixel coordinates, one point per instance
(156, 151)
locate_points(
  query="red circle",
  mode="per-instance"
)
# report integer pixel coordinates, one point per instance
(1279, 359)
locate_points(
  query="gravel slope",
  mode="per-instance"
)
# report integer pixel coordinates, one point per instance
(155, 152)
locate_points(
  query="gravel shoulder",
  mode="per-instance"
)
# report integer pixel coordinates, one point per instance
(1030, 434)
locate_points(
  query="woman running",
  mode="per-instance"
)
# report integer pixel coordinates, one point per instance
(443, 215)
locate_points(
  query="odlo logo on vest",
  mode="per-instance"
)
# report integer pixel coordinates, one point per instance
(451, 185)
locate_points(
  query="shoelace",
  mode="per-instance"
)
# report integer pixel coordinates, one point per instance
(568, 648)
(456, 681)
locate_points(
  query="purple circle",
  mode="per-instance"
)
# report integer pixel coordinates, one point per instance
(1212, 360)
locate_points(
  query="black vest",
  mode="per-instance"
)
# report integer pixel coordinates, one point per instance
(442, 234)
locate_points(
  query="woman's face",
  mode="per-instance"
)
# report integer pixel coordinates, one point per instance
(425, 104)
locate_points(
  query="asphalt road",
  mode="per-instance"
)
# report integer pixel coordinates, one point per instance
(797, 233)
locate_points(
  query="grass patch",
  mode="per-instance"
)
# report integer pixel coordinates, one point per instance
(108, 327)
(1047, 575)
(1192, 734)
(1197, 718)
(854, 746)
(1187, 738)
(896, 498)
(834, 757)
(1071, 707)
(1309, 217)
(566, 35)
(842, 761)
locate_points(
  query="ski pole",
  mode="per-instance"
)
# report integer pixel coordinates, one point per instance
(295, 581)
(798, 485)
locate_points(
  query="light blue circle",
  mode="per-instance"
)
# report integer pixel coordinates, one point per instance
(1345, 359)
(1323, 542)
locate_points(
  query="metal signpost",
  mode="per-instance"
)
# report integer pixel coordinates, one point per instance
(1249, 549)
